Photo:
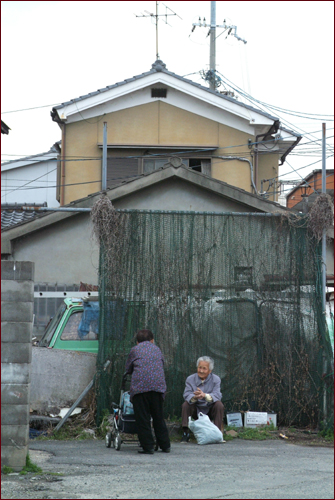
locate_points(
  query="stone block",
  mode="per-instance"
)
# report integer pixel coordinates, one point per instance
(15, 394)
(15, 352)
(14, 414)
(14, 457)
(17, 291)
(17, 270)
(14, 435)
(15, 373)
(16, 332)
(17, 311)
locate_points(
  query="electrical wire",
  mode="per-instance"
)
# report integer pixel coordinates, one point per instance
(257, 103)
(283, 110)
(29, 109)
(37, 178)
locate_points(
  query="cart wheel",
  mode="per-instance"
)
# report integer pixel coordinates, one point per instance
(108, 439)
(117, 442)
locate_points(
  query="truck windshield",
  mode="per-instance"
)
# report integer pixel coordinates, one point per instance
(51, 327)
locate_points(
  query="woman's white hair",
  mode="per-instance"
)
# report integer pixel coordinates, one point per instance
(208, 360)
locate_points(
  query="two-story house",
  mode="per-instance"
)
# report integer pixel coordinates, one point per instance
(156, 115)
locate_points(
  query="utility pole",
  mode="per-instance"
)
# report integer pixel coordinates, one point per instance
(212, 49)
(210, 75)
(156, 18)
(324, 231)
(324, 268)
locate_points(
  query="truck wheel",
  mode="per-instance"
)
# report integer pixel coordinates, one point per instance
(108, 439)
(117, 442)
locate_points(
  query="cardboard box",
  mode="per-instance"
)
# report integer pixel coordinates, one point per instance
(255, 419)
(234, 419)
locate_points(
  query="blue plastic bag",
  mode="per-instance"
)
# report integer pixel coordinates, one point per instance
(204, 430)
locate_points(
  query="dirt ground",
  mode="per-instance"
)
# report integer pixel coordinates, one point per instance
(304, 437)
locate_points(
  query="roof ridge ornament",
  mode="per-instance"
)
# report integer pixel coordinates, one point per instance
(175, 161)
(158, 65)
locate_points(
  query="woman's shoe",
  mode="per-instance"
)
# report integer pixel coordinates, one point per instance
(185, 438)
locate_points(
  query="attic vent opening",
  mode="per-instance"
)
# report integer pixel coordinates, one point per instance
(158, 92)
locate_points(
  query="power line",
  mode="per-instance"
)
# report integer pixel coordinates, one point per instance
(258, 104)
(283, 110)
(28, 158)
(29, 109)
(37, 178)
(215, 160)
(74, 183)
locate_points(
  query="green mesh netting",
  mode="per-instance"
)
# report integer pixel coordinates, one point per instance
(244, 289)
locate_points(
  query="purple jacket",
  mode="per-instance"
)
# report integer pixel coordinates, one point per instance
(211, 386)
(146, 364)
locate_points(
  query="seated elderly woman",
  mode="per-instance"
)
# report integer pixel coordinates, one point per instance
(202, 394)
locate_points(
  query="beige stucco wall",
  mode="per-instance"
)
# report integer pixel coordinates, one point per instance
(161, 124)
(233, 142)
(268, 169)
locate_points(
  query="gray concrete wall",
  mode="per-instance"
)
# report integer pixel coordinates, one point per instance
(59, 377)
(63, 252)
(74, 255)
(17, 297)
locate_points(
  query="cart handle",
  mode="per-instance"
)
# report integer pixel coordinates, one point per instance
(124, 380)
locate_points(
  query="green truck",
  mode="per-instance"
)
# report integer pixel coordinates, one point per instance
(68, 329)
(75, 326)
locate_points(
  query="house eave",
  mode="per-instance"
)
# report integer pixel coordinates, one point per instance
(95, 99)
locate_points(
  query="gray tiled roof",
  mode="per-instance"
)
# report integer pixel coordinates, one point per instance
(160, 67)
(12, 215)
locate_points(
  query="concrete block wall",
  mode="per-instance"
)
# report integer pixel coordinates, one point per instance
(17, 305)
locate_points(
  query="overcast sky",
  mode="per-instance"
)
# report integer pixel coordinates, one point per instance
(52, 52)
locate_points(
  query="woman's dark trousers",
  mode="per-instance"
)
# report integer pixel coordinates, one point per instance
(147, 405)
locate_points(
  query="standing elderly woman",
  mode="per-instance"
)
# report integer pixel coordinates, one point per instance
(202, 394)
(147, 391)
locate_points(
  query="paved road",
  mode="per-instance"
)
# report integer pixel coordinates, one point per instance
(236, 469)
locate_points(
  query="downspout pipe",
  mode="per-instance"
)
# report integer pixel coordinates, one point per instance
(62, 177)
(250, 164)
(61, 123)
(283, 157)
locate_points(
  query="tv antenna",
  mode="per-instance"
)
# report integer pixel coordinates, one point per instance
(210, 75)
(156, 19)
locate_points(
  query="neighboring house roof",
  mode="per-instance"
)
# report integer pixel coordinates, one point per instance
(126, 188)
(29, 160)
(306, 180)
(13, 215)
(310, 187)
(4, 128)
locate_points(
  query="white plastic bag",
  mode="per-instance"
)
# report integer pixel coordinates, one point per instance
(204, 430)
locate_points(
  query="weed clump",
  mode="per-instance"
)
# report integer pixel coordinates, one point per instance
(30, 467)
(6, 470)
